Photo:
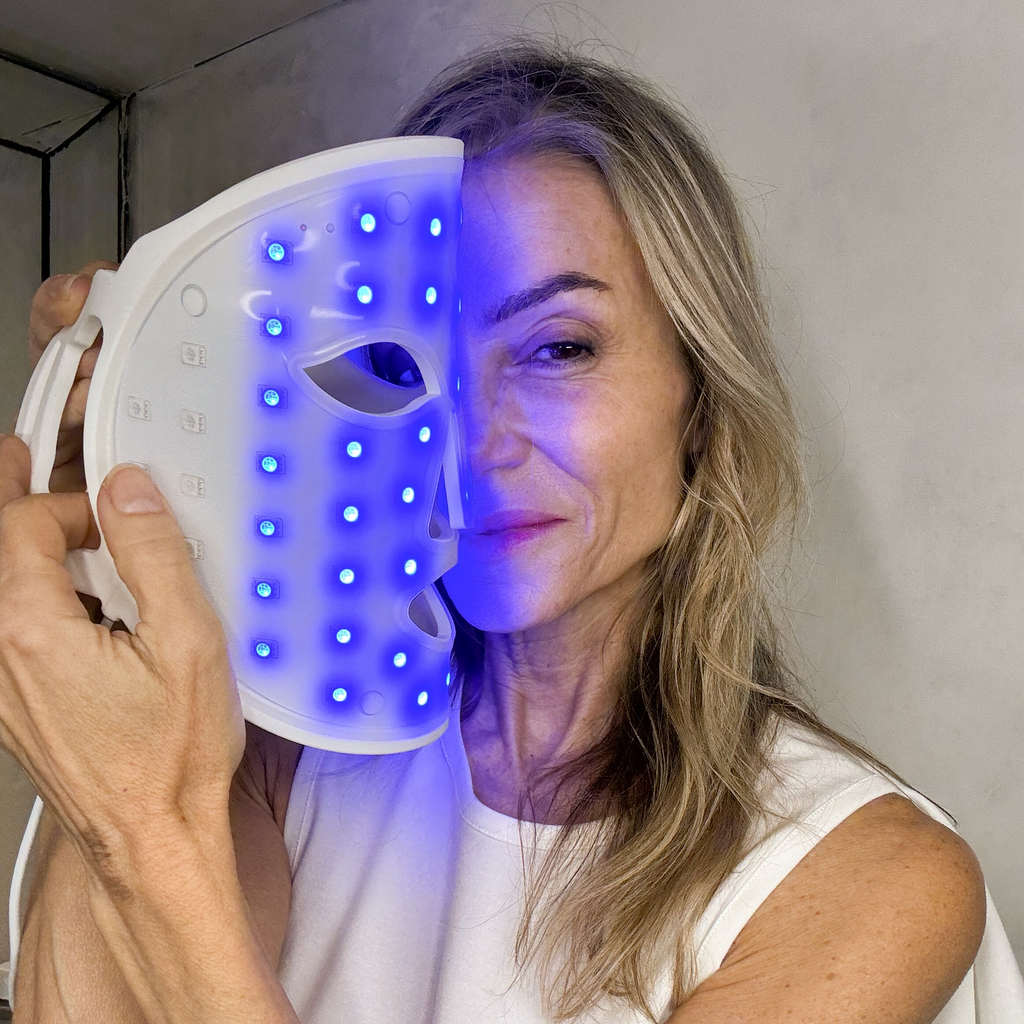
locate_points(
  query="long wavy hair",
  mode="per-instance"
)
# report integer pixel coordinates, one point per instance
(677, 777)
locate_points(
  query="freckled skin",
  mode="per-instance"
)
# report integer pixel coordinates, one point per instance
(592, 440)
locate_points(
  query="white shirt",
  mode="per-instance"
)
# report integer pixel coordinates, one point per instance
(407, 890)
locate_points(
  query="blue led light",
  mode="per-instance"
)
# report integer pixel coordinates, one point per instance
(346, 575)
(339, 694)
(269, 464)
(351, 514)
(274, 327)
(355, 449)
(400, 660)
(343, 636)
(431, 295)
(364, 293)
(267, 528)
(422, 698)
(263, 650)
(271, 397)
(410, 566)
(435, 227)
(448, 681)
(367, 222)
(264, 589)
(424, 433)
(408, 494)
(276, 251)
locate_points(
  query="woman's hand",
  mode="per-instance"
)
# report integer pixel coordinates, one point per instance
(125, 737)
(56, 304)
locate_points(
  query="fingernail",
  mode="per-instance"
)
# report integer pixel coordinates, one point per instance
(69, 283)
(132, 491)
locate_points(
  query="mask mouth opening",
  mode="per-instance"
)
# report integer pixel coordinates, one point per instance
(379, 378)
(428, 613)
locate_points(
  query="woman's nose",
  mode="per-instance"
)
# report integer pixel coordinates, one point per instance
(491, 421)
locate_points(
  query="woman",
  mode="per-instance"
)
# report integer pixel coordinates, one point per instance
(619, 680)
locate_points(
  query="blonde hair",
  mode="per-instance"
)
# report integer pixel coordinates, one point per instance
(679, 771)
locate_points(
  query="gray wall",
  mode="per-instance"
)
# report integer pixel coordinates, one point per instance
(878, 149)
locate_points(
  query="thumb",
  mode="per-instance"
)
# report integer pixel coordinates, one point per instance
(149, 550)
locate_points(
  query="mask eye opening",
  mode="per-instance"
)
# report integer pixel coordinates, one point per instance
(379, 378)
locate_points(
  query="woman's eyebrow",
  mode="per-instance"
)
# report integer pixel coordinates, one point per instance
(541, 292)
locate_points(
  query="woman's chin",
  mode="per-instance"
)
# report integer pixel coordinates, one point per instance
(496, 603)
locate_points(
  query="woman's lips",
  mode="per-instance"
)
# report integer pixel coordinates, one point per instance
(512, 536)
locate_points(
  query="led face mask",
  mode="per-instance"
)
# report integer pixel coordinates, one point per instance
(281, 361)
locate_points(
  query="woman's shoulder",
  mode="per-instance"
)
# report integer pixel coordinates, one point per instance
(267, 769)
(810, 776)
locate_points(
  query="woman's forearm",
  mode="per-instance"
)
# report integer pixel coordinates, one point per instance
(174, 916)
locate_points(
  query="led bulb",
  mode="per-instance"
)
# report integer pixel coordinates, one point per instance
(263, 650)
(351, 514)
(343, 636)
(355, 449)
(364, 293)
(346, 575)
(424, 433)
(269, 464)
(410, 566)
(408, 494)
(267, 528)
(339, 694)
(431, 295)
(271, 397)
(367, 222)
(264, 589)
(400, 660)
(274, 327)
(422, 698)
(435, 227)
(276, 251)
(448, 681)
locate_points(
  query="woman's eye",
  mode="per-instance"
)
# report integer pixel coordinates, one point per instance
(564, 352)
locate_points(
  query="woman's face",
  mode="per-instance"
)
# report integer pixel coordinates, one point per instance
(574, 392)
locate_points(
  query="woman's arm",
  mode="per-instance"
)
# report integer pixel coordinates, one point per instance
(181, 933)
(66, 973)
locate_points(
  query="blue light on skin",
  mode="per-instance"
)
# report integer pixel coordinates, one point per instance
(422, 698)
(364, 294)
(269, 464)
(271, 397)
(424, 434)
(276, 251)
(408, 494)
(339, 694)
(431, 295)
(346, 575)
(355, 449)
(410, 567)
(343, 636)
(274, 327)
(264, 589)
(400, 660)
(351, 514)
(267, 528)
(367, 222)
(435, 227)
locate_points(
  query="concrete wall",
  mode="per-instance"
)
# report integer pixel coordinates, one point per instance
(878, 150)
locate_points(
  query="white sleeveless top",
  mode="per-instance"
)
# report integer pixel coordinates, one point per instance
(407, 890)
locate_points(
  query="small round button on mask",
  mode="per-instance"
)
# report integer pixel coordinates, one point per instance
(193, 300)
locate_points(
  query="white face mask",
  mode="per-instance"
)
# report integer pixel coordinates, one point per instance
(281, 360)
